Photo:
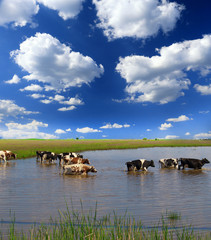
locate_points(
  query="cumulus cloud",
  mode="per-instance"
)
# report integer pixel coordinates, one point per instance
(187, 134)
(181, 118)
(37, 95)
(171, 137)
(148, 130)
(71, 102)
(139, 19)
(33, 88)
(64, 109)
(54, 64)
(69, 130)
(9, 109)
(17, 12)
(203, 89)
(15, 80)
(29, 126)
(203, 135)
(115, 125)
(165, 126)
(59, 131)
(46, 101)
(162, 78)
(87, 130)
(66, 8)
(20, 13)
(22, 131)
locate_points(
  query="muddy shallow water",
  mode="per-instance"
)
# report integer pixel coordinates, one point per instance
(35, 192)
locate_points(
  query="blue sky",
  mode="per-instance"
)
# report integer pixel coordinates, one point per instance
(105, 69)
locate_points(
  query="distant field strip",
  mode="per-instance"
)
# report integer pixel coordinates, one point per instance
(27, 147)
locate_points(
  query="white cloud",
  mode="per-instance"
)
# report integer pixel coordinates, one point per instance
(22, 131)
(165, 126)
(87, 130)
(187, 134)
(148, 130)
(33, 88)
(115, 125)
(73, 101)
(204, 112)
(55, 64)
(203, 135)
(29, 126)
(64, 109)
(203, 89)
(181, 118)
(58, 98)
(17, 12)
(69, 130)
(37, 95)
(59, 131)
(46, 101)
(9, 109)
(171, 137)
(139, 19)
(15, 79)
(162, 78)
(66, 8)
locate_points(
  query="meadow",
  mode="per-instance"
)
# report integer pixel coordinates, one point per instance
(25, 148)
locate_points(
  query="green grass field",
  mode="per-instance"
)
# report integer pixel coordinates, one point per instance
(27, 147)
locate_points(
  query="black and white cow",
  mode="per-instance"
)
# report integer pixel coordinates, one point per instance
(68, 155)
(142, 164)
(168, 162)
(44, 155)
(192, 163)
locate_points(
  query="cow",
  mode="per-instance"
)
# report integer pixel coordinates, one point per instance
(49, 156)
(142, 164)
(78, 169)
(192, 163)
(69, 154)
(44, 155)
(4, 155)
(40, 154)
(7, 155)
(168, 162)
(73, 160)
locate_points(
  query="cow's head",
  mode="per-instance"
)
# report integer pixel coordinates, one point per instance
(93, 169)
(204, 160)
(85, 160)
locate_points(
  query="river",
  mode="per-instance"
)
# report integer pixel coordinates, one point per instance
(34, 192)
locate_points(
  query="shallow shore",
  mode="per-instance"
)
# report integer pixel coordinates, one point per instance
(26, 148)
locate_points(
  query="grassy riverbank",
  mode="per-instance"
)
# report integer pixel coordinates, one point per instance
(73, 225)
(27, 147)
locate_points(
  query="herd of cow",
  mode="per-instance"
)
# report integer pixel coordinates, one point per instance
(73, 163)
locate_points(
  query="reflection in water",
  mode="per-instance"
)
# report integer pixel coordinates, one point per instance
(36, 191)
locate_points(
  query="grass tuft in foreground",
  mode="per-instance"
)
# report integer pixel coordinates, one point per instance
(74, 225)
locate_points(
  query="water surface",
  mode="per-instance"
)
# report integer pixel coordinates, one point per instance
(35, 192)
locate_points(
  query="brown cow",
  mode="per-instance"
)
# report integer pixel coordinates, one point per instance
(7, 155)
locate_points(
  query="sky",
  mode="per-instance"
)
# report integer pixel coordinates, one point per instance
(105, 69)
